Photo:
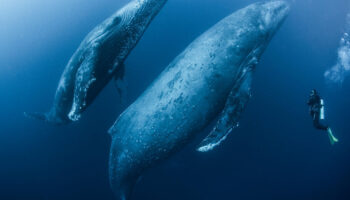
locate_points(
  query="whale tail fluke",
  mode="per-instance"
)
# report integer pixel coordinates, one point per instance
(36, 115)
(123, 193)
(46, 117)
(122, 171)
(122, 186)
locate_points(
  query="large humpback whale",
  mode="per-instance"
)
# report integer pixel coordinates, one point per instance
(98, 59)
(210, 77)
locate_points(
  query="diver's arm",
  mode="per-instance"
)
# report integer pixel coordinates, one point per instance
(310, 101)
(318, 99)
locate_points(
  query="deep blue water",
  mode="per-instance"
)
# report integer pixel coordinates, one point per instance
(274, 154)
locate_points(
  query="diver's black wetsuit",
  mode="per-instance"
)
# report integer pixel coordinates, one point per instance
(315, 110)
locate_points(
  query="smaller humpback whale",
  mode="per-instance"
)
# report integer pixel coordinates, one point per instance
(98, 59)
(211, 76)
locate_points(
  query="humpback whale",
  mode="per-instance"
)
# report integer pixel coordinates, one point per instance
(210, 78)
(98, 59)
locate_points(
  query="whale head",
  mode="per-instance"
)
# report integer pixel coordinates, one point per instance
(273, 14)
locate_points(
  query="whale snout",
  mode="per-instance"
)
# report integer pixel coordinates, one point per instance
(274, 13)
(280, 9)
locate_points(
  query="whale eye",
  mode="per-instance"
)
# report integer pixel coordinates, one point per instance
(117, 20)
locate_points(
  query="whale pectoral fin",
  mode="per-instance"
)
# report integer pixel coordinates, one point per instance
(84, 80)
(120, 83)
(235, 104)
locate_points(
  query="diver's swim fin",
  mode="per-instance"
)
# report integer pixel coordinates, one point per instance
(332, 138)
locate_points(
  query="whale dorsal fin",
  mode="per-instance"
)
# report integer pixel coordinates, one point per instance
(228, 120)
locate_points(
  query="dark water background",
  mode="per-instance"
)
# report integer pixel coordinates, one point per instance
(275, 154)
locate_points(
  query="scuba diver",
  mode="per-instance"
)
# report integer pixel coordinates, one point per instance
(316, 110)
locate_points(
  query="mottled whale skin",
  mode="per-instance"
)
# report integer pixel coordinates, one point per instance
(206, 79)
(98, 59)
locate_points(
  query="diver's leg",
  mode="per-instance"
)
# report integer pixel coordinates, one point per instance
(317, 125)
(316, 122)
